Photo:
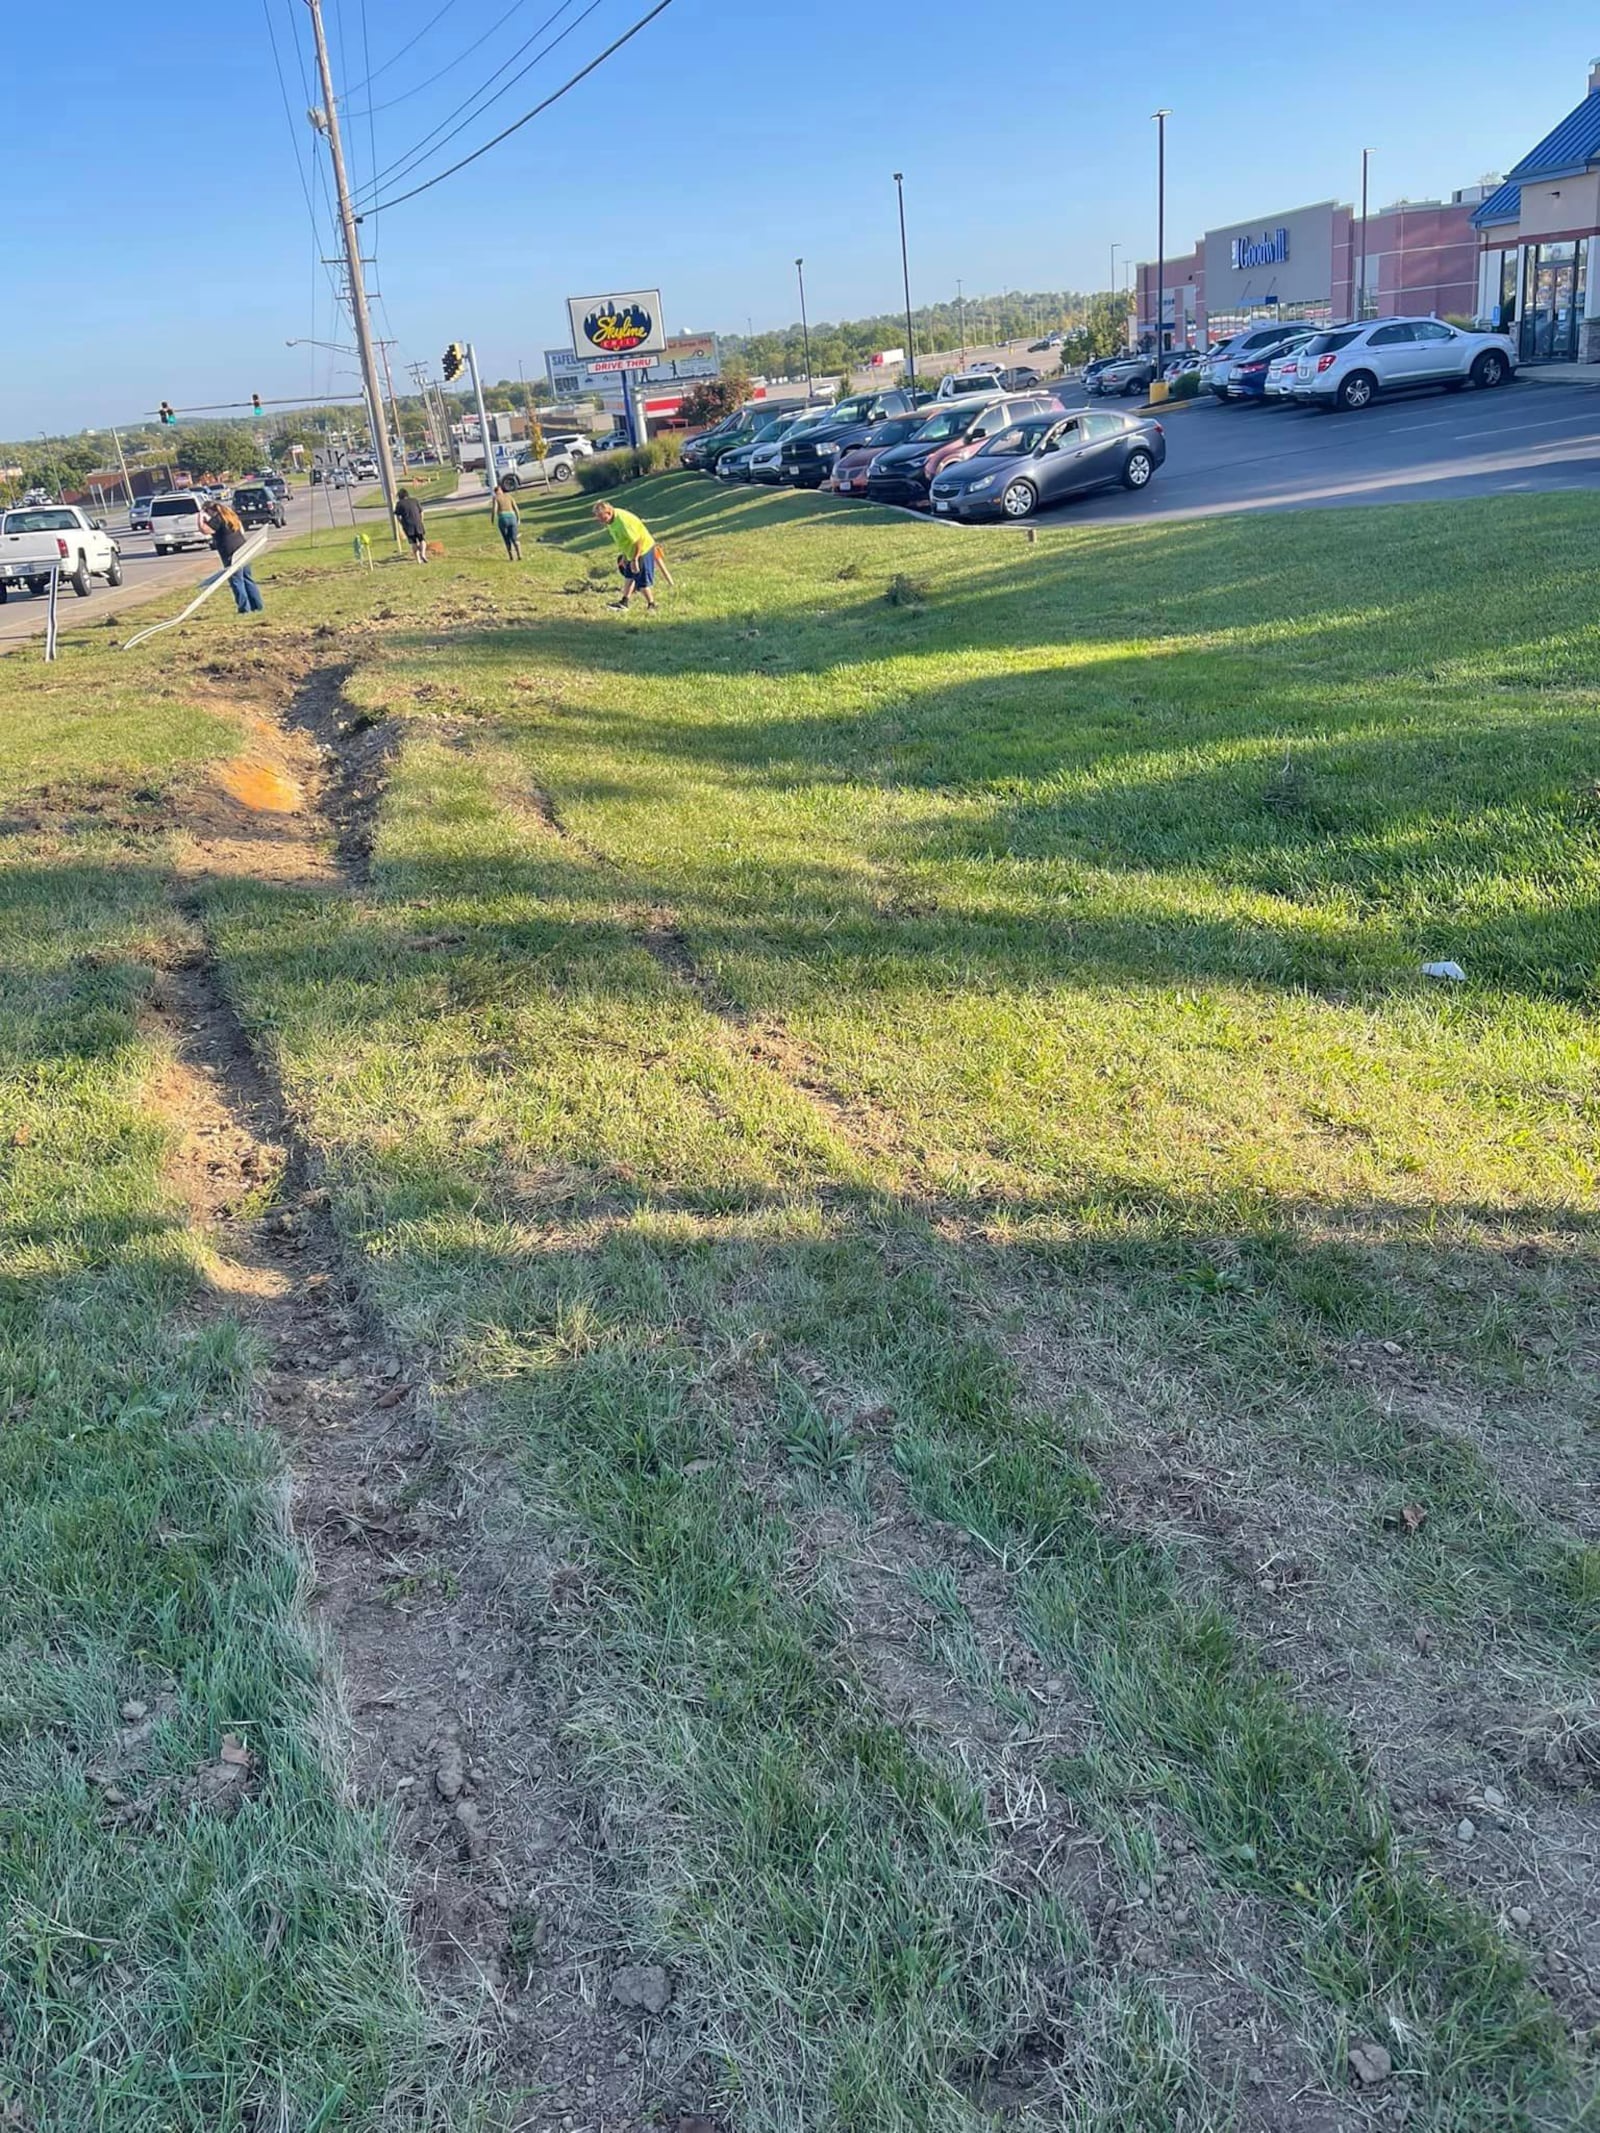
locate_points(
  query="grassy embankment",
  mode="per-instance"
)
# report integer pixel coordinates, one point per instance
(917, 1127)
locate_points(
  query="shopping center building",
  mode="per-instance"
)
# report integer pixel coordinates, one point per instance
(1419, 256)
(1539, 238)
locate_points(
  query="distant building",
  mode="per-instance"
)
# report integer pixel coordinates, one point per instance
(1539, 242)
(1419, 256)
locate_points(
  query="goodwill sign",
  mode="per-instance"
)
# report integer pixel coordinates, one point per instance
(1268, 251)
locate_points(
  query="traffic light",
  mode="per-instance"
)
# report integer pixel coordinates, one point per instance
(255, 402)
(454, 360)
(166, 413)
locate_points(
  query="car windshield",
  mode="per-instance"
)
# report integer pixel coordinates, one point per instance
(894, 431)
(1020, 438)
(954, 422)
(1328, 343)
(40, 522)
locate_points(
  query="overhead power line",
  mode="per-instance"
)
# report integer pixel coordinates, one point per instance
(506, 131)
(431, 24)
(449, 66)
(477, 102)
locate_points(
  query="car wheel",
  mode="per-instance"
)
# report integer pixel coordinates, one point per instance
(562, 472)
(1139, 468)
(509, 482)
(1356, 391)
(114, 571)
(5, 592)
(161, 548)
(81, 581)
(1490, 369)
(1019, 499)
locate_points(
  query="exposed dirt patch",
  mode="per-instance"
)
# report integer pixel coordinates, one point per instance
(440, 1632)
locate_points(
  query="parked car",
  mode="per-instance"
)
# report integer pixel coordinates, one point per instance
(175, 522)
(1019, 378)
(693, 454)
(751, 419)
(1283, 373)
(576, 443)
(1047, 459)
(903, 473)
(1247, 379)
(734, 464)
(855, 461)
(1126, 376)
(40, 538)
(139, 515)
(809, 452)
(524, 470)
(256, 505)
(766, 460)
(1350, 366)
(1217, 375)
(978, 378)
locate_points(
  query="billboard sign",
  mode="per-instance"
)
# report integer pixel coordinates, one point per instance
(625, 325)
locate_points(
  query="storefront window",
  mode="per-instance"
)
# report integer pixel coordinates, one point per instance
(1553, 278)
(1506, 316)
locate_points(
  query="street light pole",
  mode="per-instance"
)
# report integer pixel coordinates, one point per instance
(1361, 301)
(805, 330)
(1161, 118)
(961, 308)
(905, 275)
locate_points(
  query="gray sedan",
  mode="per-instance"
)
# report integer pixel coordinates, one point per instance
(1044, 459)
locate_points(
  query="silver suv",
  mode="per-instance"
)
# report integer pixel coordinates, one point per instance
(1350, 365)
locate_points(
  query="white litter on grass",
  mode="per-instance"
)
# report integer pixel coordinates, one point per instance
(1453, 971)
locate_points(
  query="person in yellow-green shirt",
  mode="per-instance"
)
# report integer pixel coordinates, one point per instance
(636, 553)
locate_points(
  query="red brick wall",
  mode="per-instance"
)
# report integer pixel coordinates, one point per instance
(1426, 259)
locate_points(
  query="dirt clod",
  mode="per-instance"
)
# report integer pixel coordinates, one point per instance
(450, 1775)
(1370, 2064)
(645, 1986)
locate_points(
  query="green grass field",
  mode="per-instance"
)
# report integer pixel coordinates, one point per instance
(900, 1099)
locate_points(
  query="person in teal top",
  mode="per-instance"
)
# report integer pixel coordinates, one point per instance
(636, 553)
(509, 519)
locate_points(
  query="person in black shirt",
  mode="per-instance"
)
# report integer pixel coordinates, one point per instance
(227, 538)
(409, 512)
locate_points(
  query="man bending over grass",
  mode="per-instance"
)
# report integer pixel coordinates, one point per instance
(636, 553)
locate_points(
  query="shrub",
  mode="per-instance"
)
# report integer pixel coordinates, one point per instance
(609, 470)
(1186, 386)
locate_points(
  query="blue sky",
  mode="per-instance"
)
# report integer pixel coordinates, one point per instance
(174, 256)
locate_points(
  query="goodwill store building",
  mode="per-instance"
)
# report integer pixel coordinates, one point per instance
(1540, 237)
(1306, 263)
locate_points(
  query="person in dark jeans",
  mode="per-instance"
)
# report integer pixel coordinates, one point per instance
(409, 512)
(509, 520)
(227, 538)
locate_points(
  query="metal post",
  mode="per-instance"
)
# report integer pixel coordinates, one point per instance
(352, 253)
(905, 275)
(1361, 299)
(961, 311)
(805, 329)
(1161, 118)
(50, 612)
(127, 485)
(483, 420)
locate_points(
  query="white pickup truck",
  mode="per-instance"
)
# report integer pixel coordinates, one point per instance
(37, 538)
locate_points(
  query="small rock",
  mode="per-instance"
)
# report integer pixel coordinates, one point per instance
(133, 1710)
(470, 1823)
(1466, 1830)
(642, 1985)
(1256, 2078)
(1520, 1916)
(1393, 1348)
(1493, 1796)
(451, 1773)
(1370, 2064)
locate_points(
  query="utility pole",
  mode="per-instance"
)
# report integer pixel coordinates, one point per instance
(805, 329)
(483, 419)
(419, 378)
(394, 405)
(352, 252)
(961, 307)
(905, 276)
(127, 485)
(1361, 301)
(1161, 118)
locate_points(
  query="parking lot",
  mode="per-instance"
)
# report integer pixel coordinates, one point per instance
(1427, 448)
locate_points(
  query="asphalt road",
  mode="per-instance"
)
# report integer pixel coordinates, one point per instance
(145, 574)
(1428, 448)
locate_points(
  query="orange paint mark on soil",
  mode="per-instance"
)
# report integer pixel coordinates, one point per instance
(259, 787)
